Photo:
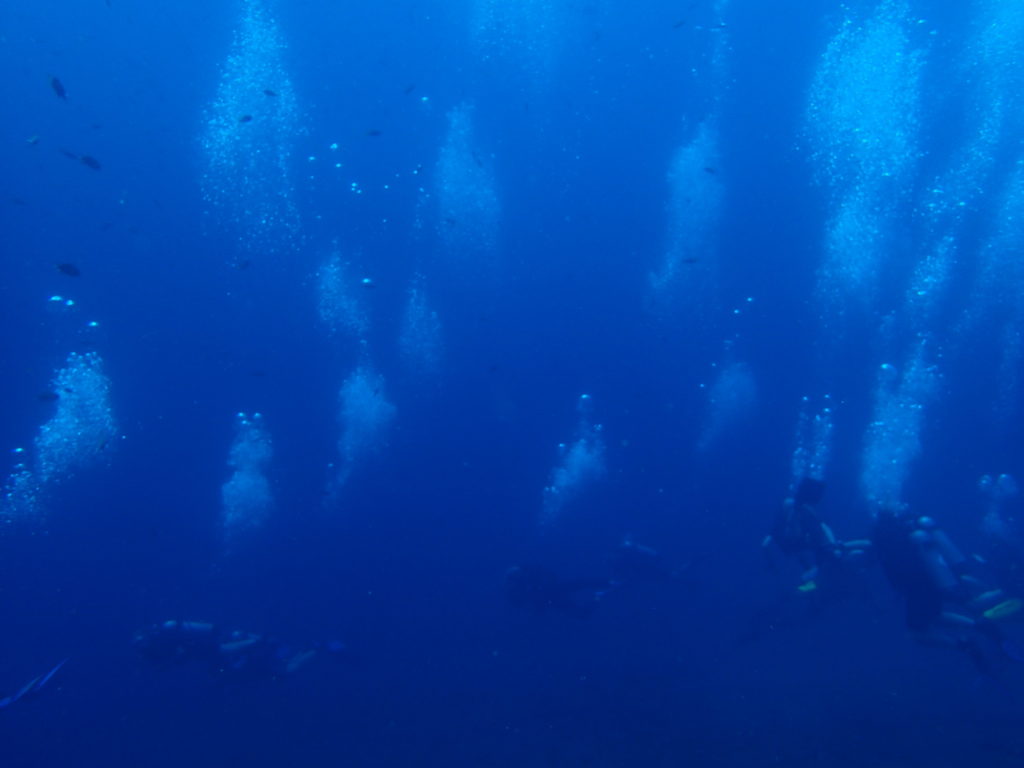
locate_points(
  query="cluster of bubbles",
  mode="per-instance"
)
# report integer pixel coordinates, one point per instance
(893, 439)
(249, 136)
(991, 69)
(340, 298)
(22, 499)
(992, 122)
(686, 277)
(731, 399)
(980, 189)
(83, 426)
(813, 442)
(245, 497)
(996, 293)
(930, 278)
(1000, 107)
(996, 303)
(694, 210)
(365, 412)
(863, 106)
(862, 122)
(78, 436)
(468, 205)
(524, 33)
(721, 48)
(420, 338)
(580, 464)
(365, 415)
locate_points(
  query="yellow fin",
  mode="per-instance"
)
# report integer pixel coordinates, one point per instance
(1005, 609)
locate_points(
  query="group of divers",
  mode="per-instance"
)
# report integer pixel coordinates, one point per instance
(950, 599)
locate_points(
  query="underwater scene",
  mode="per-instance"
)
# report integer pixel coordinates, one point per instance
(512, 383)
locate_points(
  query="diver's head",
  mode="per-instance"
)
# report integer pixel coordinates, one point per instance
(809, 492)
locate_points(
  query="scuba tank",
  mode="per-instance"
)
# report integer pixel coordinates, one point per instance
(954, 558)
(932, 557)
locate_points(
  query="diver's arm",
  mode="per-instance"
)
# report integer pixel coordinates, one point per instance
(829, 537)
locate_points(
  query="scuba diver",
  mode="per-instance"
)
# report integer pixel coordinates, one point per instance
(799, 533)
(232, 655)
(831, 570)
(31, 688)
(944, 602)
(540, 590)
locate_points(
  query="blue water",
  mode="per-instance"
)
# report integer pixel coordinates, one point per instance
(640, 205)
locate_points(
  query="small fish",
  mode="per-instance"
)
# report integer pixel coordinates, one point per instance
(270, 93)
(409, 88)
(68, 154)
(245, 119)
(374, 132)
(709, 169)
(90, 161)
(690, 260)
(69, 269)
(243, 264)
(48, 397)
(679, 24)
(58, 88)
(33, 139)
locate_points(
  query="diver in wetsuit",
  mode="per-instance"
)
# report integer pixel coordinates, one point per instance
(799, 533)
(540, 590)
(232, 655)
(932, 576)
(831, 570)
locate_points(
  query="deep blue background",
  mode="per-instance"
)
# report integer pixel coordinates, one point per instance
(408, 571)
